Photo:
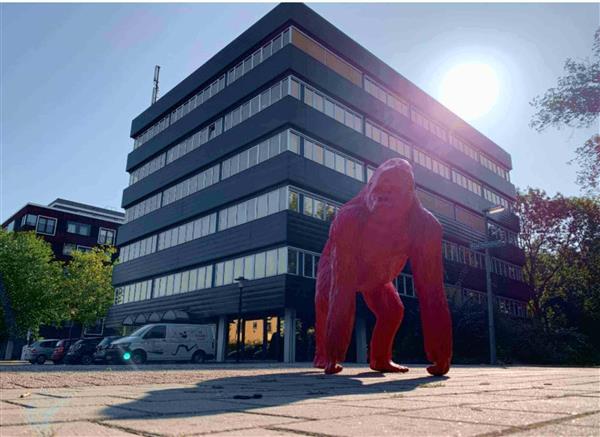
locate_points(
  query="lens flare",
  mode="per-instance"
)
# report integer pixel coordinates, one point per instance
(126, 356)
(470, 90)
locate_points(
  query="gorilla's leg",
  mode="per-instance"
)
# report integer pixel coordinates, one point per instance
(385, 303)
(321, 311)
(340, 321)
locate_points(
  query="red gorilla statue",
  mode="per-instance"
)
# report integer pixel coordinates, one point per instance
(370, 240)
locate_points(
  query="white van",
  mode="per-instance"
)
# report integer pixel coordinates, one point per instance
(165, 342)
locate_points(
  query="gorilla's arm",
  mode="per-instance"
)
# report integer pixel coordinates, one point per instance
(427, 267)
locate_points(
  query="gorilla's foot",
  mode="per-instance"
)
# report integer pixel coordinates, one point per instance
(388, 366)
(319, 363)
(438, 369)
(332, 368)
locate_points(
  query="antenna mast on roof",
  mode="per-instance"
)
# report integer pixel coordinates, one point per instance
(155, 88)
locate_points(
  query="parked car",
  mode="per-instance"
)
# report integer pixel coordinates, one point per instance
(82, 351)
(61, 349)
(165, 342)
(39, 351)
(100, 353)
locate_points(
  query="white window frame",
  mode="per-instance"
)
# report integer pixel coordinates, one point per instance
(46, 217)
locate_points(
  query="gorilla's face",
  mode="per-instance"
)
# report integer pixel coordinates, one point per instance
(390, 192)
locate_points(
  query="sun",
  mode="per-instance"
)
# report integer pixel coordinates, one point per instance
(470, 90)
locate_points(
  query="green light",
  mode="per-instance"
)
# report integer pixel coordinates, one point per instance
(126, 356)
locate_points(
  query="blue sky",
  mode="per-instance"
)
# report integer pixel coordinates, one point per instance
(75, 75)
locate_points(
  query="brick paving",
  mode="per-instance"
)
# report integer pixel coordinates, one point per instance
(275, 400)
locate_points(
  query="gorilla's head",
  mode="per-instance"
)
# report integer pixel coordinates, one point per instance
(391, 190)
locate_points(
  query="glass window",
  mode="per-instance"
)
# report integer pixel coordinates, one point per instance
(244, 160)
(156, 332)
(259, 265)
(293, 201)
(251, 209)
(318, 154)
(79, 228)
(308, 205)
(242, 216)
(273, 146)
(276, 93)
(219, 274)
(46, 225)
(231, 216)
(319, 210)
(273, 201)
(265, 99)
(238, 268)
(106, 236)
(262, 206)
(271, 263)
(263, 151)
(308, 265)
(253, 156)
(249, 267)
(308, 149)
(193, 282)
(329, 159)
(228, 274)
(185, 282)
(340, 163)
(294, 143)
(282, 260)
(292, 266)
(295, 89)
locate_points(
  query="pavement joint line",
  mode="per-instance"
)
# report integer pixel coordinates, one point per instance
(52, 396)
(439, 419)
(126, 429)
(536, 425)
(295, 431)
(16, 403)
(257, 413)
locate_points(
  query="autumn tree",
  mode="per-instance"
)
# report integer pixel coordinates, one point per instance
(561, 240)
(87, 289)
(31, 280)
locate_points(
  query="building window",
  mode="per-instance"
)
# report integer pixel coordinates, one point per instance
(68, 249)
(29, 220)
(46, 225)
(11, 226)
(79, 228)
(83, 248)
(106, 236)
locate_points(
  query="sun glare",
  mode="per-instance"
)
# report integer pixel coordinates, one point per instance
(470, 90)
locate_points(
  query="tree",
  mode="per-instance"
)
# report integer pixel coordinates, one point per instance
(561, 240)
(87, 289)
(31, 279)
(575, 102)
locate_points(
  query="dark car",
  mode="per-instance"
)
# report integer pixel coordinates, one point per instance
(61, 349)
(82, 351)
(100, 354)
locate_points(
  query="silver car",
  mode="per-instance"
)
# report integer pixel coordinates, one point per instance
(38, 352)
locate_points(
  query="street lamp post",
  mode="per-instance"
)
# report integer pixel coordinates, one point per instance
(240, 280)
(487, 245)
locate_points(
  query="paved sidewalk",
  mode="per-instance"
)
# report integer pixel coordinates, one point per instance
(270, 400)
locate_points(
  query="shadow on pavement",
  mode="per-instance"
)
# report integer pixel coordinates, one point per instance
(246, 393)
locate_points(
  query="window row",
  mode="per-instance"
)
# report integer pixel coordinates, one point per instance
(256, 266)
(147, 169)
(507, 269)
(383, 137)
(312, 206)
(496, 199)
(267, 149)
(198, 99)
(387, 97)
(215, 87)
(183, 282)
(69, 248)
(151, 132)
(253, 209)
(133, 292)
(146, 206)
(47, 226)
(496, 168)
(256, 104)
(330, 107)
(186, 232)
(191, 185)
(429, 125)
(461, 254)
(194, 141)
(139, 248)
(466, 182)
(463, 147)
(496, 232)
(432, 164)
(512, 307)
(259, 56)
(329, 157)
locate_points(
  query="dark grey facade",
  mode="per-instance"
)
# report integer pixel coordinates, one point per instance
(240, 167)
